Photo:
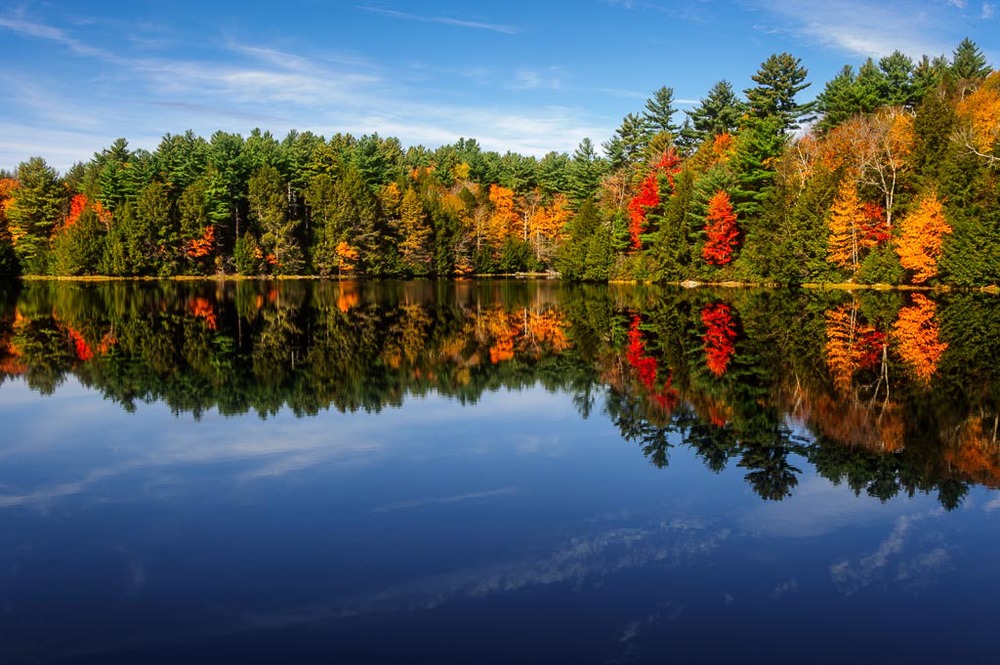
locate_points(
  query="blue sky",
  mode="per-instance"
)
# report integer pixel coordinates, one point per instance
(524, 76)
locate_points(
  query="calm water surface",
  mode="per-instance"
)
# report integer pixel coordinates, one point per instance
(496, 473)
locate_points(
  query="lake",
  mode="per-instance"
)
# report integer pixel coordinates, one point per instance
(496, 472)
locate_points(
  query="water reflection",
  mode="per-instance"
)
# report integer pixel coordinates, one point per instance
(359, 472)
(885, 392)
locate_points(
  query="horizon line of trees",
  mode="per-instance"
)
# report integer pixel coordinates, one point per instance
(891, 175)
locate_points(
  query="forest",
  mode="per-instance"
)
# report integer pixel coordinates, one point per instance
(890, 175)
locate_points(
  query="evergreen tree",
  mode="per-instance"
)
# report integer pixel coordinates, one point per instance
(969, 62)
(897, 80)
(35, 208)
(780, 78)
(268, 207)
(928, 76)
(584, 174)
(77, 248)
(195, 229)
(113, 166)
(553, 173)
(869, 88)
(758, 146)
(657, 117)
(717, 113)
(629, 142)
(181, 160)
(836, 103)
(227, 177)
(153, 234)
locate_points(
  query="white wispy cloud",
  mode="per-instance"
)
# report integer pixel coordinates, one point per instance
(859, 27)
(988, 11)
(889, 561)
(246, 84)
(443, 20)
(28, 28)
(445, 500)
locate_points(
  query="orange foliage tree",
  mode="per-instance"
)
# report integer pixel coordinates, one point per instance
(921, 238)
(504, 221)
(917, 338)
(203, 246)
(347, 257)
(720, 229)
(79, 204)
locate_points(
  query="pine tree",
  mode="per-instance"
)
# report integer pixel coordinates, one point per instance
(780, 78)
(584, 175)
(897, 80)
(869, 88)
(657, 118)
(836, 103)
(268, 207)
(969, 62)
(718, 113)
(34, 210)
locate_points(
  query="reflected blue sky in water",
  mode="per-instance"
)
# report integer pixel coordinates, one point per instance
(436, 530)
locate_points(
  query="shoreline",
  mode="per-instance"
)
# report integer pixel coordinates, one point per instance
(686, 284)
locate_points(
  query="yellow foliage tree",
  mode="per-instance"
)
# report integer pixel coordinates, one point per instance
(415, 233)
(844, 222)
(980, 115)
(921, 237)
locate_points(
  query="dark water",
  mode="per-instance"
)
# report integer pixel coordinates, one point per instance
(496, 473)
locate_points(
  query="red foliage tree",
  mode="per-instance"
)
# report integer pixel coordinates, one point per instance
(874, 230)
(645, 368)
(649, 194)
(720, 227)
(719, 338)
(80, 346)
(638, 207)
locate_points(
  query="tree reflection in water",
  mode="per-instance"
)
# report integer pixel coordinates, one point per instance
(886, 392)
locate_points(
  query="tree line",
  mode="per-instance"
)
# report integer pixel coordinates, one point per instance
(890, 175)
